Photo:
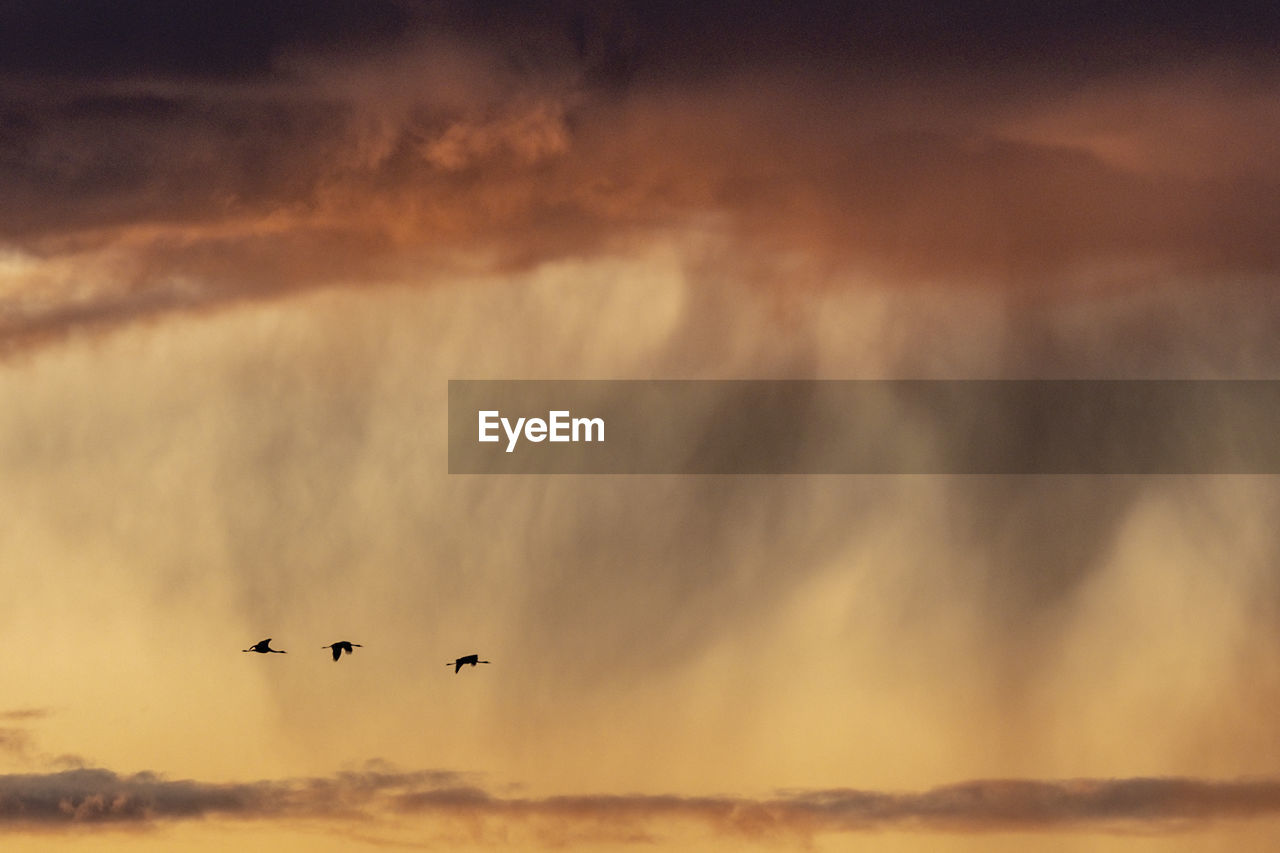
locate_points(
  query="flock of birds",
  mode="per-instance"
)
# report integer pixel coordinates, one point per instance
(263, 647)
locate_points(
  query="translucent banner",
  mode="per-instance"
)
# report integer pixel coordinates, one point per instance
(864, 427)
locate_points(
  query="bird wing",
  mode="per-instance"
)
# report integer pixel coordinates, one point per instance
(457, 666)
(337, 651)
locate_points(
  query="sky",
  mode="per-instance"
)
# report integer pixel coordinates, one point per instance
(243, 250)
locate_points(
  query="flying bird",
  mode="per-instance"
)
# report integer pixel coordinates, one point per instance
(463, 661)
(262, 647)
(340, 647)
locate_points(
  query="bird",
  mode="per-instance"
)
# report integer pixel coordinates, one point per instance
(262, 647)
(340, 647)
(463, 661)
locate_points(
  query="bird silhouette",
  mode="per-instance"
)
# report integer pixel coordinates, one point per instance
(262, 647)
(463, 661)
(340, 647)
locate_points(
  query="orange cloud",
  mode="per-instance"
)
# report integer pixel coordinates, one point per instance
(139, 196)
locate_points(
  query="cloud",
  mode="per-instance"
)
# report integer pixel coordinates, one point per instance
(95, 796)
(16, 743)
(447, 145)
(197, 39)
(23, 714)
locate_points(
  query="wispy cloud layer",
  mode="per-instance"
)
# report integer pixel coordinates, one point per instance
(97, 796)
(25, 714)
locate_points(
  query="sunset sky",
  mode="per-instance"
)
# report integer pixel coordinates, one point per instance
(244, 247)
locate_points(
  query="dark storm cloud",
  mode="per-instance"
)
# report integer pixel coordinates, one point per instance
(187, 38)
(15, 742)
(202, 37)
(622, 42)
(540, 178)
(86, 797)
(202, 202)
(191, 154)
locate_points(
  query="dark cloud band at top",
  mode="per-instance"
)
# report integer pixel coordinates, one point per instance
(369, 143)
(618, 39)
(201, 38)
